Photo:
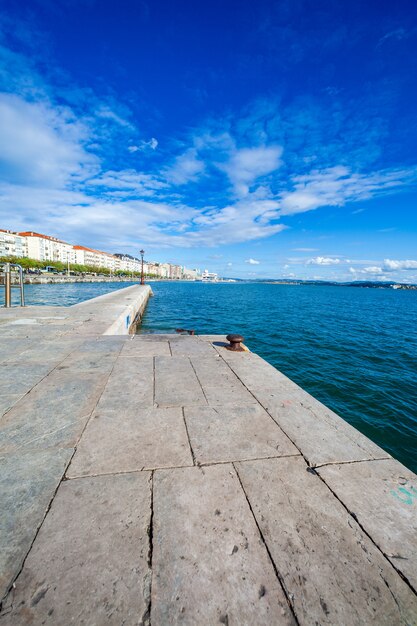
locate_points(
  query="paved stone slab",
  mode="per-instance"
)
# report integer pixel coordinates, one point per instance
(7, 401)
(53, 414)
(321, 435)
(233, 433)
(50, 351)
(176, 383)
(332, 571)
(20, 377)
(12, 348)
(89, 362)
(103, 344)
(136, 347)
(214, 338)
(220, 384)
(27, 485)
(130, 386)
(190, 346)
(128, 441)
(253, 371)
(383, 496)
(153, 337)
(89, 563)
(209, 563)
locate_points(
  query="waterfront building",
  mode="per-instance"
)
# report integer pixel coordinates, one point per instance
(131, 264)
(46, 248)
(97, 258)
(12, 244)
(175, 272)
(193, 274)
(209, 277)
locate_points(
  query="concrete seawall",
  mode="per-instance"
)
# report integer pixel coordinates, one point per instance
(125, 307)
(162, 479)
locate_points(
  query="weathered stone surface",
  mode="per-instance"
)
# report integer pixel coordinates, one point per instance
(7, 401)
(53, 414)
(20, 377)
(130, 386)
(220, 384)
(136, 347)
(154, 337)
(50, 351)
(125, 441)
(253, 371)
(176, 383)
(321, 435)
(191, 346)
(11, 348)
(234, 433)
(89, 563)
(332, 571)
(383, 496)
(87, 362)
(27, 485)
(214, 338)
(209, 563)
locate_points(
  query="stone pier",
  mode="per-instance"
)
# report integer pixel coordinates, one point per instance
(162, 479)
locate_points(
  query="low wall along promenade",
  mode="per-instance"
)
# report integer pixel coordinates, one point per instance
(163, 479)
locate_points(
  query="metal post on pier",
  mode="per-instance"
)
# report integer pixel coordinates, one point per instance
(6, 269)
(21, 285)
(7, 286)
(142, 278)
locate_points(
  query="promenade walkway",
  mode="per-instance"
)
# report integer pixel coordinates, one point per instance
(161, 479)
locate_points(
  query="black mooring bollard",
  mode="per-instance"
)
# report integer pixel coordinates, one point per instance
(234, 343)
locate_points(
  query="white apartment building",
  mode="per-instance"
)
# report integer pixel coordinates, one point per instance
(46, 248)
(12, 244)
(191, 274)
(96, 258)
(164, 270)
(130, 263)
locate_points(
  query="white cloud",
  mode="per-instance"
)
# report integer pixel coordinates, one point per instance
(143, 145)
(305, 249)
(338, 185)
(252, 261)
(107, 113)
(391, 265)
(323, 260)
(373, 269)
(41, 144)
(124, 183)
(249, 164)
(186, 168)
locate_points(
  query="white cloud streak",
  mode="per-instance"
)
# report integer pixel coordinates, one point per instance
(391, 265)
(322, 260)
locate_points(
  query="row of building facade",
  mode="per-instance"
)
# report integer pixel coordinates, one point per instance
(44, 248)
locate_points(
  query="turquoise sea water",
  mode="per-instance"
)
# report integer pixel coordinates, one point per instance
(354, 349)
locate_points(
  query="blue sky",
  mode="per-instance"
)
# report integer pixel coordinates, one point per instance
(258, 139)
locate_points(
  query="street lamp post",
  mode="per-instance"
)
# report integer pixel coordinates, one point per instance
(142, 278)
